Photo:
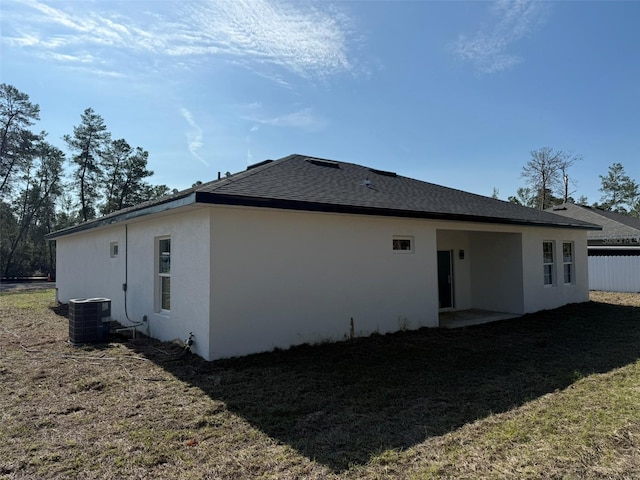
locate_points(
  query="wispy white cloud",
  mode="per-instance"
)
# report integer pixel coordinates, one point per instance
(25, 40)
(310, 40)
(303, 118)
(98, 72)
(490, 49)
(194, 136)
(71, 58)
(301, 38)
(58, 16)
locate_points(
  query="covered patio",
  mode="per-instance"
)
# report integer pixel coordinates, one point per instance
(480, 276)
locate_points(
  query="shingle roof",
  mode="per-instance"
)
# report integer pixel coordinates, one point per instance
(614, 225)
(319, 184)
(308, 183)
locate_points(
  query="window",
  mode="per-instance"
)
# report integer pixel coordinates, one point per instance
(547, 259)
(164, 273)
(403, 244)
(113, 249)
(567, 261)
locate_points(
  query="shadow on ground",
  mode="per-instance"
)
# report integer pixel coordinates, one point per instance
(340, 404)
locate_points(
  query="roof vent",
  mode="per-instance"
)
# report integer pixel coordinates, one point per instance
(259, 164)
(323, 163)
(383, 173)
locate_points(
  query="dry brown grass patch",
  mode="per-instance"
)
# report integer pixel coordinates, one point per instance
(550, 395)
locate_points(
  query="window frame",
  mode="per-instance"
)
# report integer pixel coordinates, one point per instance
(570, 264)
(397, 239)
(163, 277)
(113, 250)
(548, 267)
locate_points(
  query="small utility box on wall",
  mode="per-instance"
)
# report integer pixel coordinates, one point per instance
(89, 320)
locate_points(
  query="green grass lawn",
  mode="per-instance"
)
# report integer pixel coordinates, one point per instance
(550, 395)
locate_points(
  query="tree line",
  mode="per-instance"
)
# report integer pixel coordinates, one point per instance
(548, 183)
(38, 195)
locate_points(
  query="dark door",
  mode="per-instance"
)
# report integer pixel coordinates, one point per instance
(445, 279)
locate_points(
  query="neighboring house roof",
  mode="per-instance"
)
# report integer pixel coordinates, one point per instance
(617, 228)
(298, 182)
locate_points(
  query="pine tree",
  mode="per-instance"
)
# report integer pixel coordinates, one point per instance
(88, 143)
(620, 192)
(125, 172)
(17, 113)
(40, 185)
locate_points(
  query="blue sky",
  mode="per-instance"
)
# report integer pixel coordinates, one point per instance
(454, 93)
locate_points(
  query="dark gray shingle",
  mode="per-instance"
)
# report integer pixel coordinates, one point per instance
(614, 225)
(308, 183)
(341, 186)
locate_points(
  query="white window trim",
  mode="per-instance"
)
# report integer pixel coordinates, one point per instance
(552, 264)
(572, 263)
(411, 240)
(159, 276)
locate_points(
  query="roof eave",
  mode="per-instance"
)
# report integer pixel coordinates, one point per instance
(222, 199)
(125, 216)
(237, 200)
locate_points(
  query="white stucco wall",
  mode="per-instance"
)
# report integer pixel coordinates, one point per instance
(246, 280)
(85, 269)
(505, 266)
(538, 296)
(190, 277)
(497, 271)
(282, 278)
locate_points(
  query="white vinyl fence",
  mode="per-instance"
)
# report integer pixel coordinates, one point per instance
(614, 273)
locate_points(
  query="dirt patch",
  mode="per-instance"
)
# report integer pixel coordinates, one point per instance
(616, 298)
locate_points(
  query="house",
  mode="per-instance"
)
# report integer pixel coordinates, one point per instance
(614, 251)
(303, 250)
